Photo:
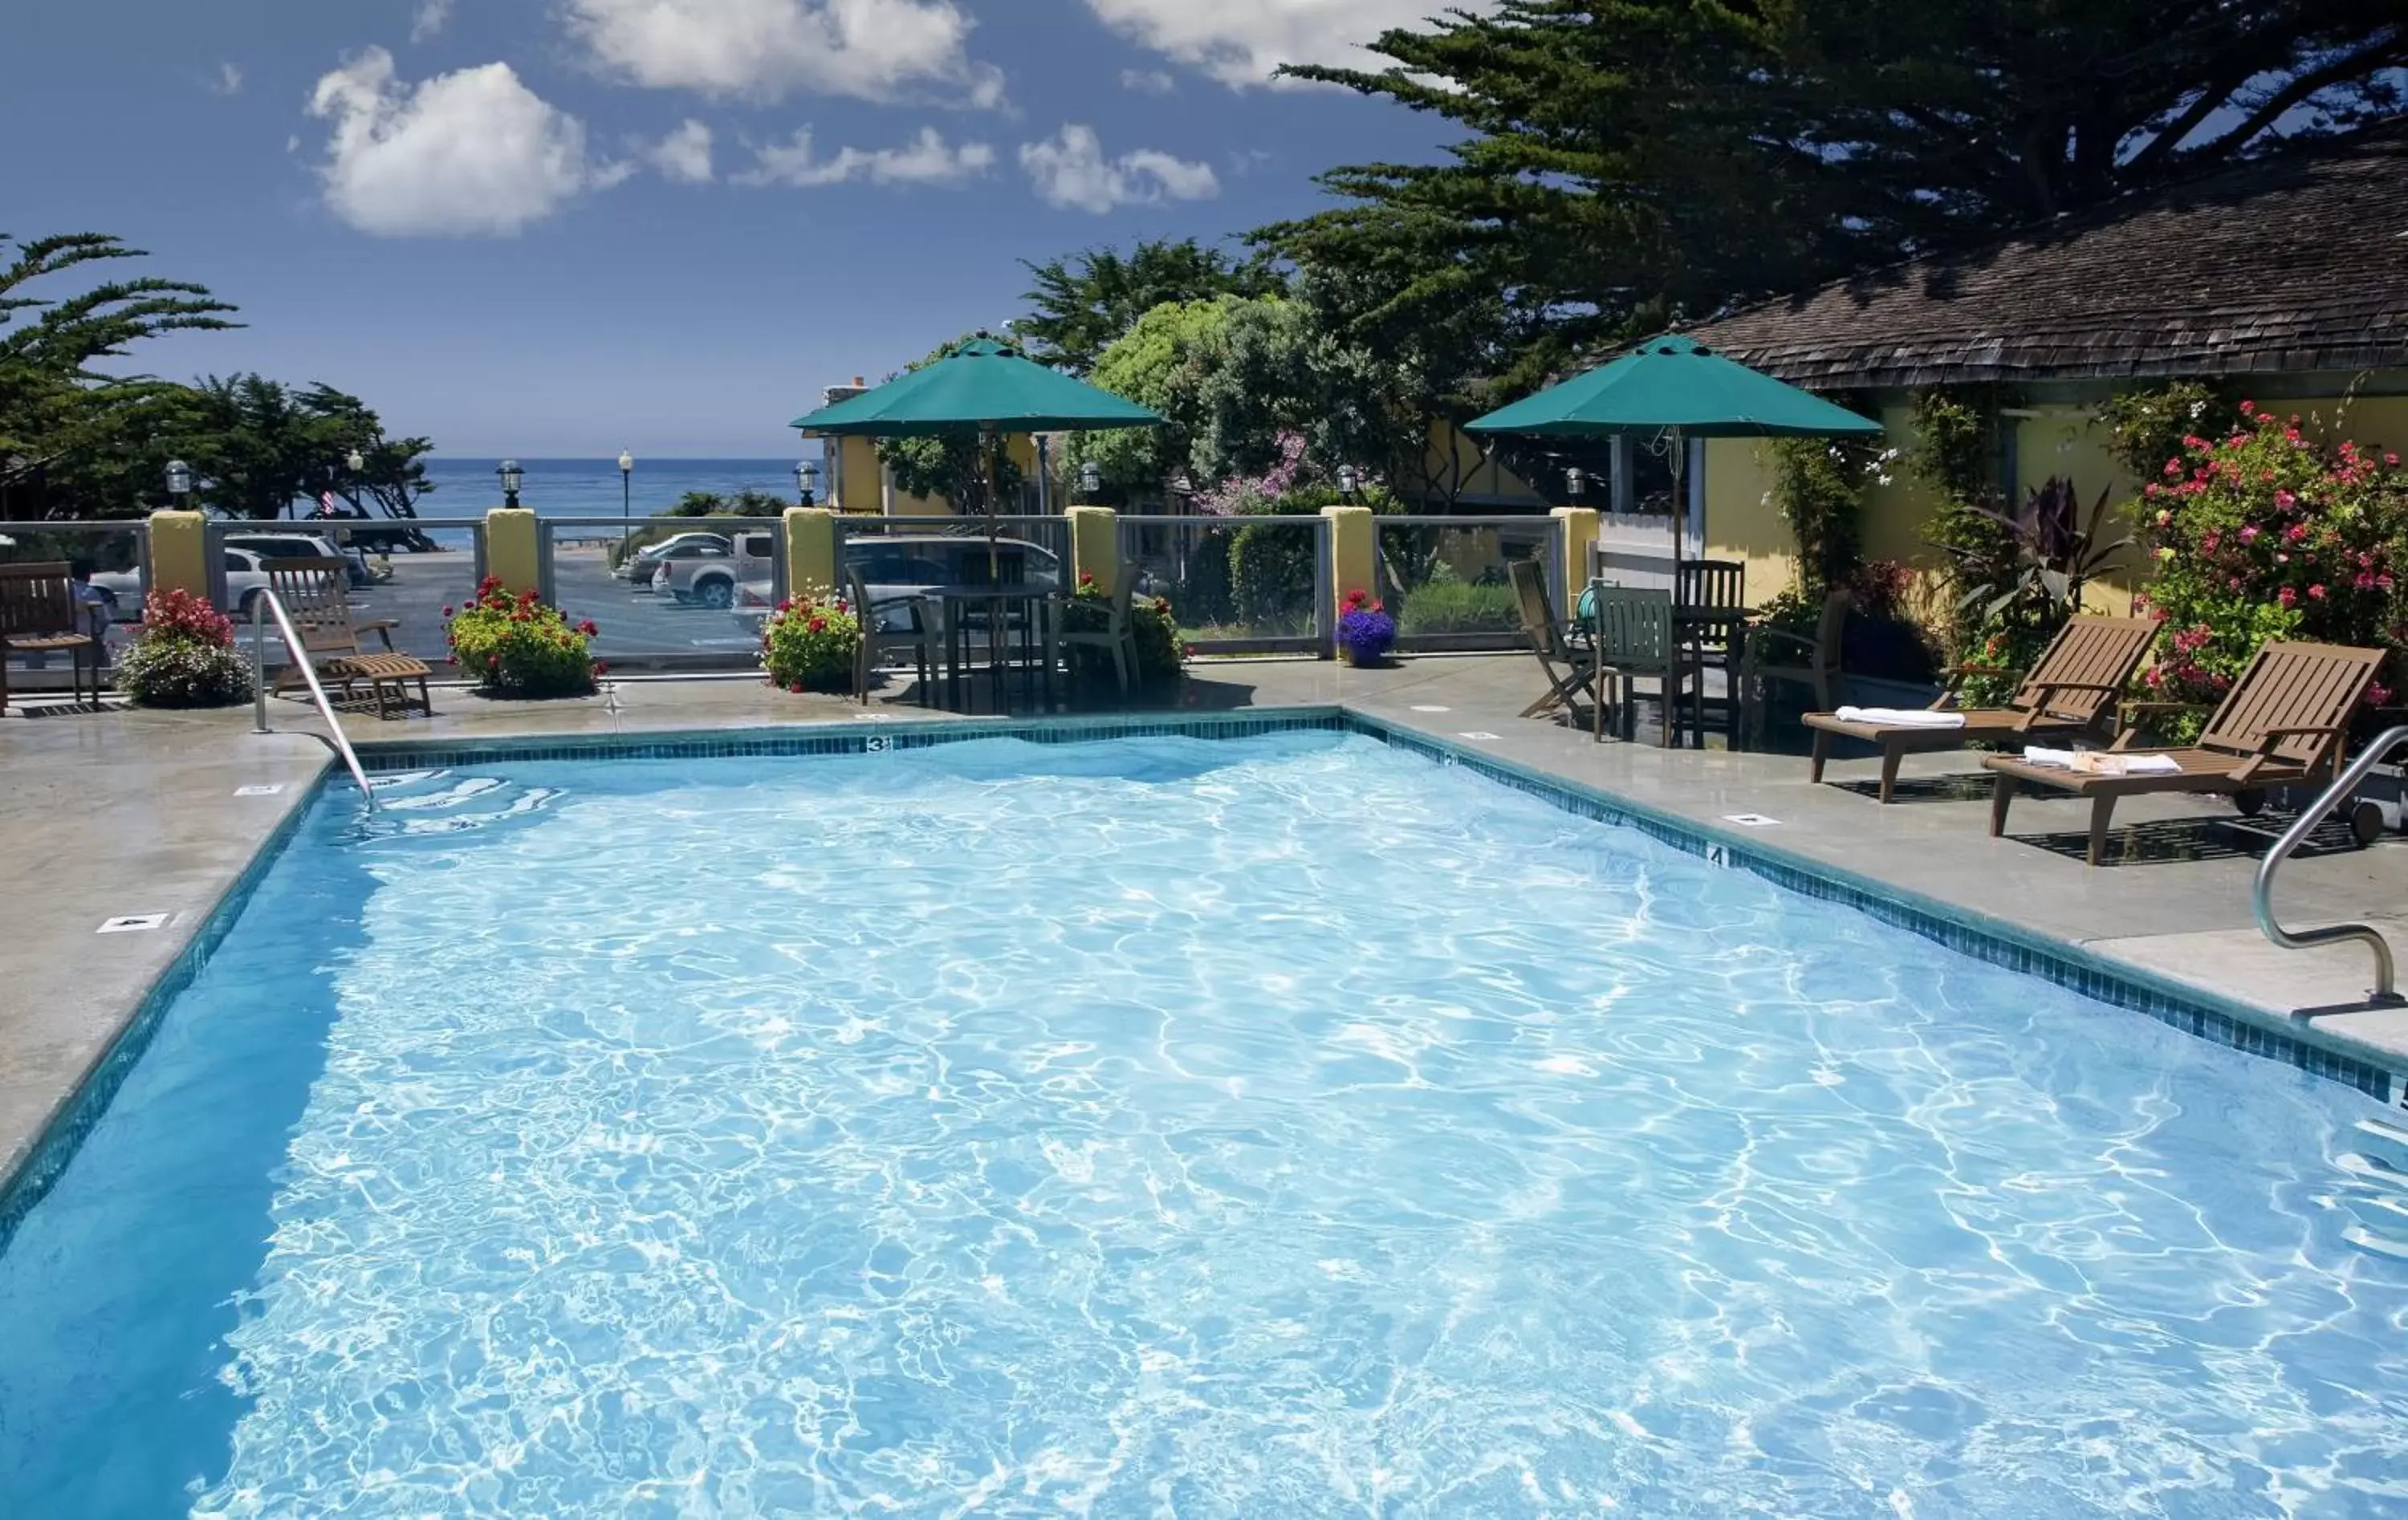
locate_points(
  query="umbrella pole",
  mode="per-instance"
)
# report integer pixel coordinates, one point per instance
(1680, 463)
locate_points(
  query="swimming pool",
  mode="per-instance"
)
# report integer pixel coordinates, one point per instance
(1283, 1125)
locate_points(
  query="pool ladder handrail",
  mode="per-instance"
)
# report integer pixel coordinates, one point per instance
(2386, 982)
(263, 601)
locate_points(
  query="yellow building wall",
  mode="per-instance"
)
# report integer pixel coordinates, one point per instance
(2049, 440)
(861, 479)
(1743, 523)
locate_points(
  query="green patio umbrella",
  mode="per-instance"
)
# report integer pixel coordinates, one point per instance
(1675, 389)
(983, 385)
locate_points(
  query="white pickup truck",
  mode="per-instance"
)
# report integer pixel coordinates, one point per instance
(720, 579)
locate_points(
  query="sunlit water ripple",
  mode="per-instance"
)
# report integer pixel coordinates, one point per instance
(1276, 1127)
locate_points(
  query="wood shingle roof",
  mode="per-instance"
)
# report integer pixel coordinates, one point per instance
(2298, 261)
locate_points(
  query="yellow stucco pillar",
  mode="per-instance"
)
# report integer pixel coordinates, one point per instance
(1354, 556)
(1095, 546)
(513, 549)
(179, 554)
(1575, 534)
(811, 552)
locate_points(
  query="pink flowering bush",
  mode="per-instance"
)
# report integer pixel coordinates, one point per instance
(2266, 534)
(184, 656)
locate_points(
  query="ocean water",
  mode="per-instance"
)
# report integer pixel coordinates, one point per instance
(591, 487)
(1277, 1127)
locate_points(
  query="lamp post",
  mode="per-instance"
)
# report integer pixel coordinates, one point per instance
(1091, 481)
(806, 483)
(512, 477)
(179, 483)
(1575, 482)
(1347, 481)
(626, 490)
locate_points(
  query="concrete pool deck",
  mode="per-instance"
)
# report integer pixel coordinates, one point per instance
(121, 813)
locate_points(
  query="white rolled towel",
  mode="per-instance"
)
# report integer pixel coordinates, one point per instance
(2110, 763)
(1902, 717)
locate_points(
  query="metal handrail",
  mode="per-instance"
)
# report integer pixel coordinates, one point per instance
(265, 600)
(2385, 988)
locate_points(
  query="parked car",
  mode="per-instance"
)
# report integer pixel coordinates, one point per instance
(715, 580)
(300, 546)
(246, 577)
(645, 563)
(896, 566)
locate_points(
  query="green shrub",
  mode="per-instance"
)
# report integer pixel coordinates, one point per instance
(185, 657)
(812, 644)
(1455, 606)
(519, 647)
(1272, 575)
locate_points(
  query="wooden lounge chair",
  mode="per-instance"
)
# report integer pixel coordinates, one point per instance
(39, 615)
(2070, 694)
(316, 593)
(1549, 640)
(2284, 721)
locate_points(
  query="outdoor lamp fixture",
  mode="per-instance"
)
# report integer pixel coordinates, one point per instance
(806, 483)
(180, 482)
(627, 479)
(355, 462)
(1347, 481)
(1091, 481)
(512, 477)
(1575, 482)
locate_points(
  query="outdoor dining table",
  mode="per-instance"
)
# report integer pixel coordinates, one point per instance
(1031, 640)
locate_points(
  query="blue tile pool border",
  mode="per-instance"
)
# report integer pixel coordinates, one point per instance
(1995, 942)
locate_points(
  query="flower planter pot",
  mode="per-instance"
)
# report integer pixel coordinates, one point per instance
(1364, 656)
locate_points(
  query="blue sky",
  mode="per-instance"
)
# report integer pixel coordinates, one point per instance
(561, 227)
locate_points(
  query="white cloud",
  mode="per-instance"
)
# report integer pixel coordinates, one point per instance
(926, 160)
(462, 155)
(1148, 81)
(868, 48)
(433, 16)
(1070, 171)
(1239, 42)
(229, 81)
(683, 156)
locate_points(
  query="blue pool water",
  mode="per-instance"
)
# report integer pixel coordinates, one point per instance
(1281, 1126)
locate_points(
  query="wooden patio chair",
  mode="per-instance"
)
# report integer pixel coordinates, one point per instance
(1637, 637)
(921, 638)
(316, 593)
(1812, 662)
(2070, 694)
(2284, 723)
(1118, 635)
(1549, 639)
(40, 615)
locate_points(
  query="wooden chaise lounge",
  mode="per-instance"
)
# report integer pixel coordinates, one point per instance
(2069, 694)
(316, 593)
(2284, 721)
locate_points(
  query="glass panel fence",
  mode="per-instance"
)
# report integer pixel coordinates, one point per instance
(1235, 583)
(401, 576)
(1447, 583)
(899, 557)
(109, 564)
(689, 593)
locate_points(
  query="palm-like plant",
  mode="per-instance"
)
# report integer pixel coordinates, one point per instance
(2053, 551)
